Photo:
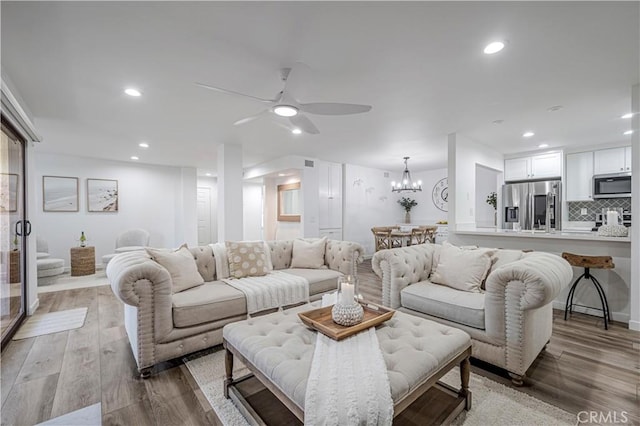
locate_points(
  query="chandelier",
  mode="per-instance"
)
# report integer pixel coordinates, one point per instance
(406, 184)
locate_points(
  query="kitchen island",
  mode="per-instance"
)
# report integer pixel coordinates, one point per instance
(616, 282)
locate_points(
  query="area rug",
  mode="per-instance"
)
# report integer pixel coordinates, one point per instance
(493, 403)
(53, 322)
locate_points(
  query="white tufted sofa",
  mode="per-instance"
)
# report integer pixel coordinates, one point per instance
(162, 325)
(509, 323)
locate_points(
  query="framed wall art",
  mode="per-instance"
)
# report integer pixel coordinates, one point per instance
(8, 192)
(102, 195)
(59, 194)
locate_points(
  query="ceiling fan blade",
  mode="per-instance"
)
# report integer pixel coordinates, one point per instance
(231, 92)
(250, 118)
(331, 108)
(304, 124)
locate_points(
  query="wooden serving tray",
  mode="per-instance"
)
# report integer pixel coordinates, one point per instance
(320, 320)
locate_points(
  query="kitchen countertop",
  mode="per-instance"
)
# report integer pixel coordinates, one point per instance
(568, 234)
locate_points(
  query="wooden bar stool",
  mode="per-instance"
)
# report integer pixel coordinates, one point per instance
(589, 262)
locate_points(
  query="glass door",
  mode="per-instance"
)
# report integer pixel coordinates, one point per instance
(12, 232)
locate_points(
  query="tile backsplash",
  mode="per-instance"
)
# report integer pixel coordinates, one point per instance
(594, 207)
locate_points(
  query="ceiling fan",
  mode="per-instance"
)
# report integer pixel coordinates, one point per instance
(285, 105)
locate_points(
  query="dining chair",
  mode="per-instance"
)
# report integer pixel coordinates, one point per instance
(430, 233)
(418, 236)
(382, 237)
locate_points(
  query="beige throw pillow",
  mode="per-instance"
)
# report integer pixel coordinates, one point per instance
(462, 269)
(308, 254)
(181, 266)
(247, 259)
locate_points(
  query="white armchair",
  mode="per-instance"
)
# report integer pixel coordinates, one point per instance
(131, 240)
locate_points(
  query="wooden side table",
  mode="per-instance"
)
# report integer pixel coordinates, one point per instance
(83, 261)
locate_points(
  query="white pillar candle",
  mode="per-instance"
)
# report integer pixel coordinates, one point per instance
(612, 217)
(348, 292)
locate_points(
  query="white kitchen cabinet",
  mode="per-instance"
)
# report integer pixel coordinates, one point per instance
(627, 159)
(579, 174)
(534, 167)
(330, 195)
(517, 169)
(331, 234)
(612, 160)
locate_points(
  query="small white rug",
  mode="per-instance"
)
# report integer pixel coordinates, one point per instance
(87, 416)
(67, 282)
(492, 403)
(53, 322)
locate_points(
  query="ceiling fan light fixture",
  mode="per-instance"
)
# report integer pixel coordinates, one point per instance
(406, 184)
(285, 110)
(132, 92)
(493, 47)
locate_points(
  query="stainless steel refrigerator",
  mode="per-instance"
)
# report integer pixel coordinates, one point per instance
(532, 205)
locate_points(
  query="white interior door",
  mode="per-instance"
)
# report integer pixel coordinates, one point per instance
(204, 216)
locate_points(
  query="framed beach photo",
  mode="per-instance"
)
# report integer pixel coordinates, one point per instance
(102, 195)
(59, 194)
(8, 192)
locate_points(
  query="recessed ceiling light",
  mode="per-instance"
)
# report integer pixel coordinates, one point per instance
(498, 121)
(296, 131)
(281, 174)
(285, 110)
(628, 132)
(554, 108)
(143, 145)
(132, 92)
(207, 174)
(527, 134)
(494, 47)
(133, 157)
(628, 115)
(543, 145)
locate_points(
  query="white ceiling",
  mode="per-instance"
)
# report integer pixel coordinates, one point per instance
(420, 64)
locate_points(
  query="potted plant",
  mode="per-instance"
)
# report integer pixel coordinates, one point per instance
(492, 200)
(407, 204)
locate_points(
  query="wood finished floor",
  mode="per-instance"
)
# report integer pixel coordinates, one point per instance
(584, 368)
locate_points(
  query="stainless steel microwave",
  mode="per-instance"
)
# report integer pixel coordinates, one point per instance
(616, 185)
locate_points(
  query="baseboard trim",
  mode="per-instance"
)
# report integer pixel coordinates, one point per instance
(634, 325)
(33, 307)
(616, 316)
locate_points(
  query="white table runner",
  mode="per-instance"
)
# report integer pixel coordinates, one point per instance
(348, 382)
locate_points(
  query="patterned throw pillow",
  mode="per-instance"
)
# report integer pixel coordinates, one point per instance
(181, 266)
(247, 259)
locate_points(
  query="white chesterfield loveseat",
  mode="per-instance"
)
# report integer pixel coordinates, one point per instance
(509, 321)
(163, 324)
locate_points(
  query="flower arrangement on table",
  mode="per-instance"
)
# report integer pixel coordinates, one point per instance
(407, 203)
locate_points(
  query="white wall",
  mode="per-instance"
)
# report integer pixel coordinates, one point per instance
(150, 197)
(464, 156)
(212, 184)
(367, 203)
(634, 293)
(252, 211)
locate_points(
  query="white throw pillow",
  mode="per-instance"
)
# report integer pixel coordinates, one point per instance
(181, 266)
(308, 254)
(462, 269)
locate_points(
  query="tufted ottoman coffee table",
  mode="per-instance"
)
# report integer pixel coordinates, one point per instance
(278, 350)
